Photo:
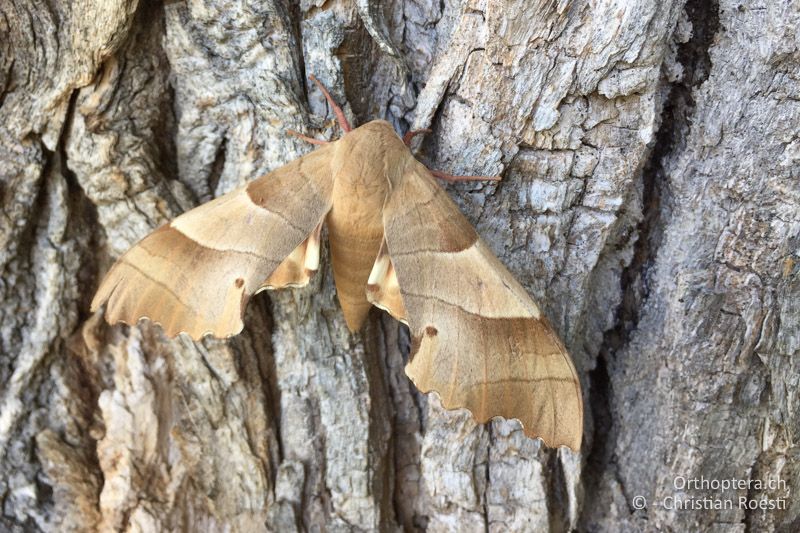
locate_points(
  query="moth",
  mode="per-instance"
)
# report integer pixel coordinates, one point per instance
(396, 241)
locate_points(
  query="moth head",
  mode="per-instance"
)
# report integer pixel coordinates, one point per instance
(377, 134)
(375, 144)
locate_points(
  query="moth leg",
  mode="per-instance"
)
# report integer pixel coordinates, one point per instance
(307, 139)
(413, 133)
(452, 179)
(343, 123)
(409, 136)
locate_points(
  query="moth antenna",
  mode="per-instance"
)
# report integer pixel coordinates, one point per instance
(306, 138)
(343, 123)
(411, 134)
(452, 179)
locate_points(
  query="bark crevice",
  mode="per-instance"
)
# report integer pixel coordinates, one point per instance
(675, 120)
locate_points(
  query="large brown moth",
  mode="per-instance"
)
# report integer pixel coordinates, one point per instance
(397, 242)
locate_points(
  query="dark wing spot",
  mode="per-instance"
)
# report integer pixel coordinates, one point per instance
(431, 331)
(239, 282)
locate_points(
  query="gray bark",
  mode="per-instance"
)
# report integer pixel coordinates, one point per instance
(650, 203)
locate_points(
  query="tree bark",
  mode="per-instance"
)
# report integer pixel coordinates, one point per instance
(650, 203)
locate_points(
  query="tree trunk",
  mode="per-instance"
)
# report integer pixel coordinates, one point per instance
(649, 202)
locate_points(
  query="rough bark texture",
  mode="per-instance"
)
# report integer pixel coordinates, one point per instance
(650, 203)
